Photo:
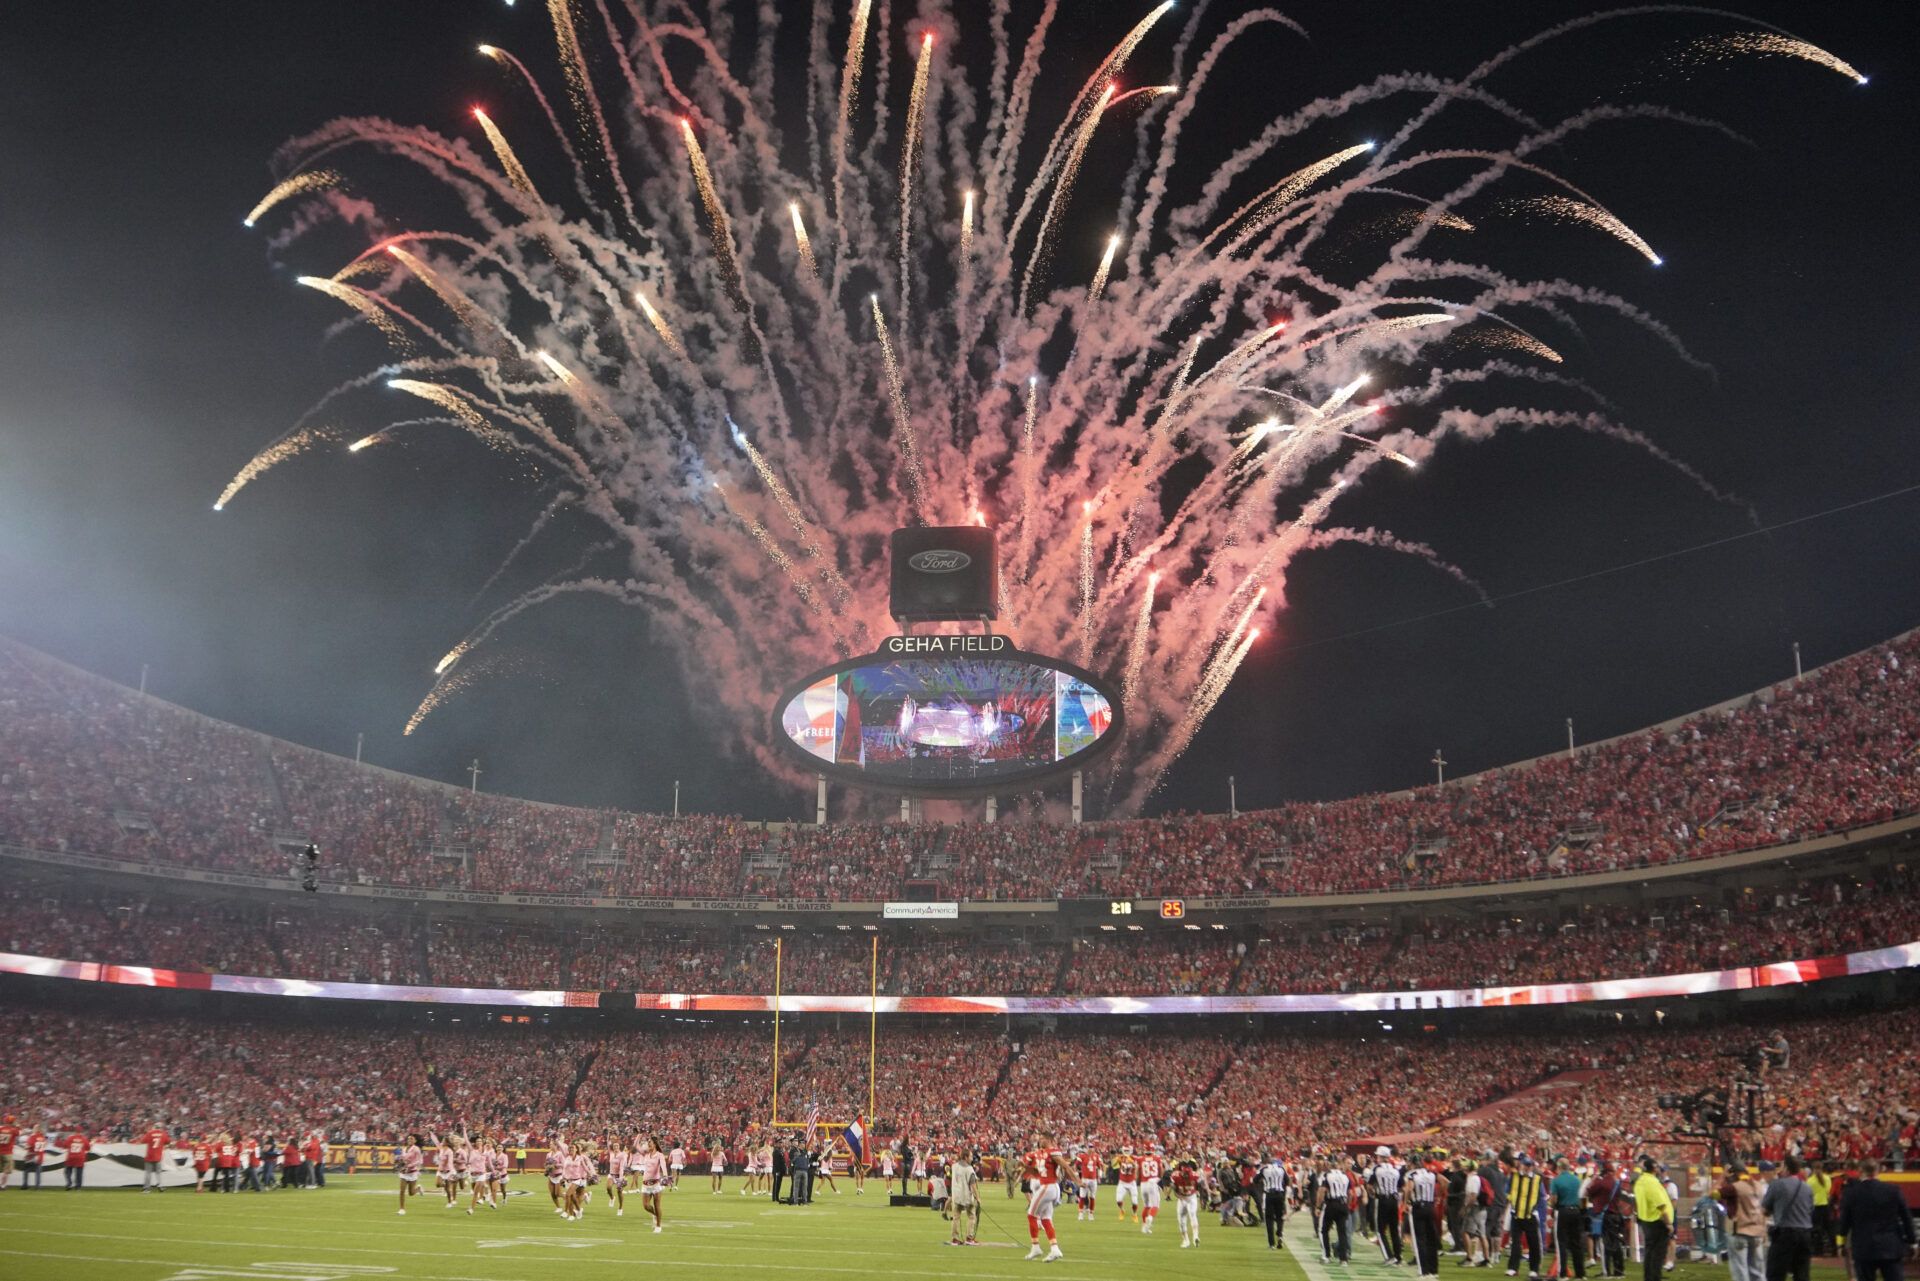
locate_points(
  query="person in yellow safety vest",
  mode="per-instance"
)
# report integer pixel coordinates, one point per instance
(1654, 1210)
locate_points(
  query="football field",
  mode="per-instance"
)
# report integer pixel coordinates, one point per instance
(349, 1230)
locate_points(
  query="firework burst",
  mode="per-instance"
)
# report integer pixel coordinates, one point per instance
(919, 367)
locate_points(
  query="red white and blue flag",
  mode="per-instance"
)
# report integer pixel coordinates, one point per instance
(855, 1137)
(813, 1124)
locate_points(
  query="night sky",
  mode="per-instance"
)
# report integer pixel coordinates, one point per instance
(148, 345)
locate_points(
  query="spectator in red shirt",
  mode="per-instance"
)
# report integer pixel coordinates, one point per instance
(156, 1141)
(9, 1139)
(316, 1160)
(36, 1157)
(77, 1146)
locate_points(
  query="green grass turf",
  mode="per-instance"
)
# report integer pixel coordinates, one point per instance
(350, 1230)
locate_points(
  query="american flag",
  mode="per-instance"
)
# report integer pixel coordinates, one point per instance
(813, 1124)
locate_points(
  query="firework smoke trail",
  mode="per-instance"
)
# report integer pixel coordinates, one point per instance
(1168, 354)
(1137, 647)
(903, 433)
(909, 161)
(298, 185)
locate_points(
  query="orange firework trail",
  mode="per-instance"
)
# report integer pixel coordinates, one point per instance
(1247, 278)
(718, 231)
(367, 305)
(801, 244)
(659, 323)
(1106, 265)
(1567, 209)
(298, 185)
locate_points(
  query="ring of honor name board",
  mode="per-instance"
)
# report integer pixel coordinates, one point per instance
(948, 714)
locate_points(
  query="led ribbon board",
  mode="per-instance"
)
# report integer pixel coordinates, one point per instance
(948, 716)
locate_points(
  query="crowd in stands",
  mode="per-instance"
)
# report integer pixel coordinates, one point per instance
(1840, 1093)
(298, 937)
(91, 767)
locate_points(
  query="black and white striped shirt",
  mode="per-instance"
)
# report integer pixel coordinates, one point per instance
(1337, 1185)
(1273, 1177)
(1420, 1187)
(1386, 1179)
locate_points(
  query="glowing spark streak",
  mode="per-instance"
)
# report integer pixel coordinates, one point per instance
(1571, 210)
(775, 553)
(1106, 265)
(1029, 479)
(1062, 190)
(909, 160)
(377, 315)
(509, 163)
(291, 446)
(1761, 43)
(1086, 585)
(659, 323)
(808, 266)
(718, 229)
(363, 442)
(903, 434)
(454, 403)
(473, 318)
(1213, 684)
(809, 539)
(966, 225)
(1137, 646)
(299, 184)
(849, 95)
(453, 656)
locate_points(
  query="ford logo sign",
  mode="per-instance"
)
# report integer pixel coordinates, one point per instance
(939, 562)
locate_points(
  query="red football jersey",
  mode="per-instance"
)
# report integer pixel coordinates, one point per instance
(156, 1140)
(1090, 1167)
(1149, 1167)
(77, 1146)
(9, 1135)
(1126, 1169)
(1046, 1164)
(200, 1155)
(1185, 1182)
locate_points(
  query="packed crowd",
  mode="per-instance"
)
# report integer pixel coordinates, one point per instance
(1838, 1093)
(91, 767)
(318, 939)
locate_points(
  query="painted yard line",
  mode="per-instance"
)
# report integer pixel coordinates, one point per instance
(569, 1258)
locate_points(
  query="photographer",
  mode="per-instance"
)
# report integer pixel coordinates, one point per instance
(963, 1186)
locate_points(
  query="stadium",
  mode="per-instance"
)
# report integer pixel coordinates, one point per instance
(738, 394)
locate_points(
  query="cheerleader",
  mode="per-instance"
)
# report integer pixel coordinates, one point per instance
(717, 1162)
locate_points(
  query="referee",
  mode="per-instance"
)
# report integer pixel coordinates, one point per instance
(1386, 1207)
(1273, 1199)
(1335, 1187)
(1422, 1186)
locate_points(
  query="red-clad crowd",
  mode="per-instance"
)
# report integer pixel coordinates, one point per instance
(1837, 1093)
(88, 766)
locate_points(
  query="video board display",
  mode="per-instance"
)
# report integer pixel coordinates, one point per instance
(948, 714)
